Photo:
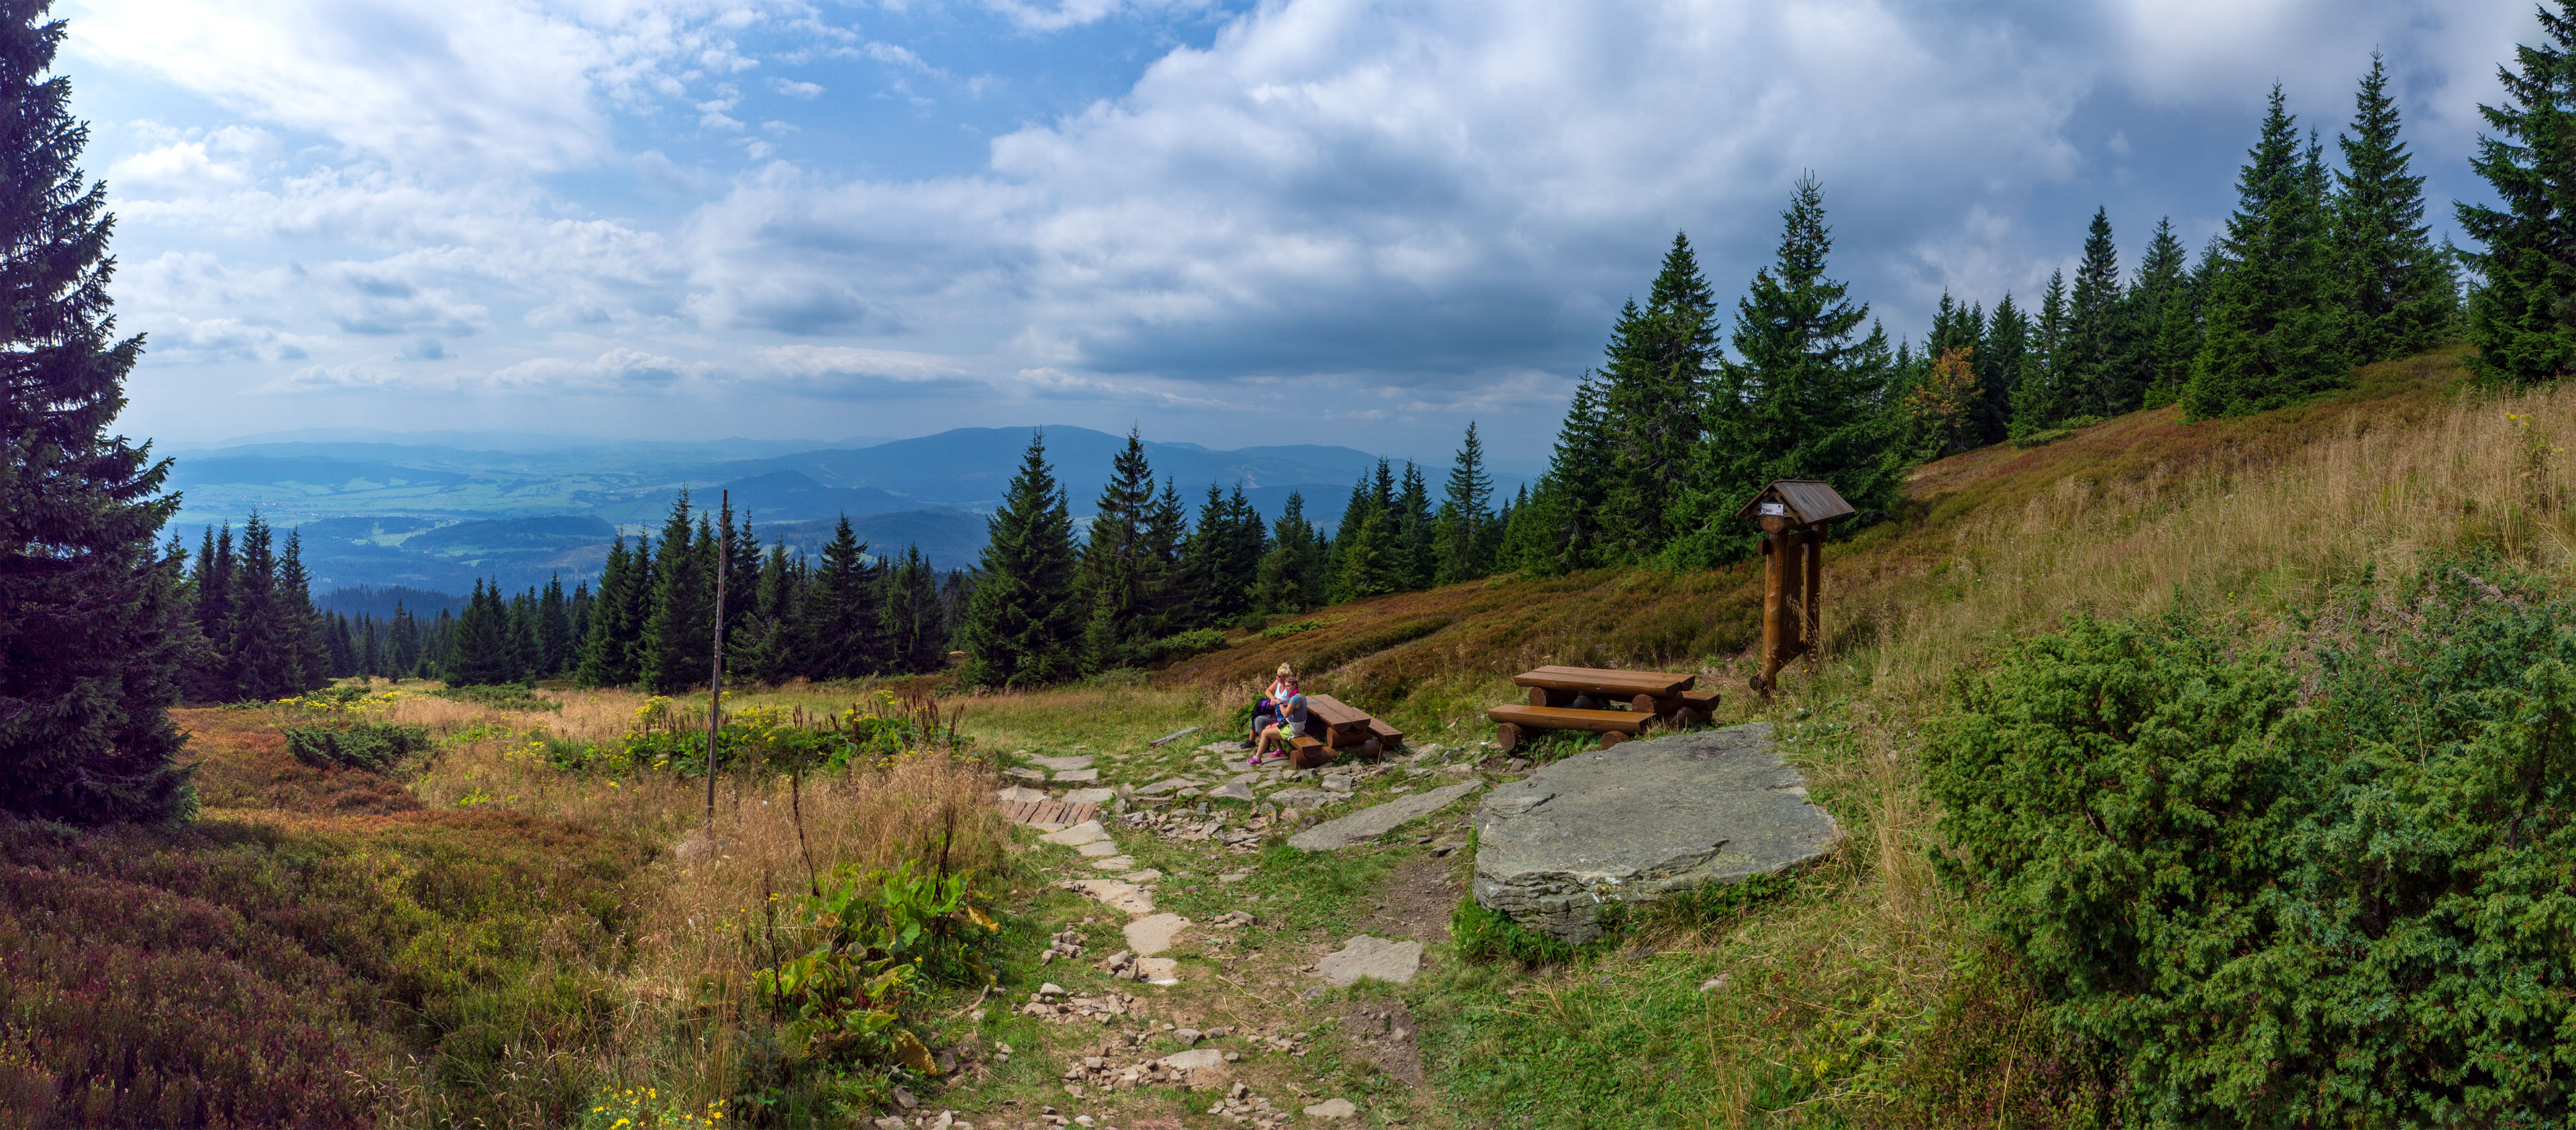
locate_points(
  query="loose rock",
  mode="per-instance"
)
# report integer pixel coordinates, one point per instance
(1365, 956)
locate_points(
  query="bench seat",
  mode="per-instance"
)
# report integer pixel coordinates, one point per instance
(1567, 718)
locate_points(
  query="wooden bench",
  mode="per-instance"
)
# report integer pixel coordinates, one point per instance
(1614, 726)
(1333, 726)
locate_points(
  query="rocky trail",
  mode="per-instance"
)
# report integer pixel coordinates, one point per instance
(1193, 976)
(1228, 945)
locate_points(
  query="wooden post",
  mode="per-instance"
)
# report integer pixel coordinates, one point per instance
(1815, 596)
(715, 677)
(1793, 593)
(1773, 570)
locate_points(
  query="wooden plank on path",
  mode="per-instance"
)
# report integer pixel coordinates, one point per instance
(1564, 718)
(1066, 813)
(1616, 684)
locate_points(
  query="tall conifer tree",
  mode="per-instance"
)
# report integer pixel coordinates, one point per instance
(2000, 360)
(608, 649)
(2041, 397)
(1559, 530)
(2270, 334)
(90, 639)
(1117, 570)
(2399, 287)
(1808, 398)
(1022, 626)
(679, 637)
(2164, 317)
(2522, 316)
(844, 624)
(1658, 361)
(1465, 511)
(2096, 331)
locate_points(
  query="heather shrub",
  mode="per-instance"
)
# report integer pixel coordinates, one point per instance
(2326, 879)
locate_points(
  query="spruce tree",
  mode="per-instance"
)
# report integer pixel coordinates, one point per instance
(1022, 626)
(915, 616)
(1463, 551)
(1116, 573)
(2001, 354)
(759, 653)
(1653, 372)
(1168, 602)
(844, 625)
(209, 676)
(264, 658)
(2270, 327)
(1807, 400)
(2164, 318)
(90, 632)
(402, 640)
(1283, 580)
(554, 631)
(301, 623)
(483, 653)
(608, 649)
(2523, 317)
(679, 637)
(2096, 336)
(2041, 396)
(1417, 548)
(1563, 531)
(1220, 558)
(2398, 287)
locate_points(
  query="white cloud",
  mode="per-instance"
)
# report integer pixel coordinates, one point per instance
(795, 89)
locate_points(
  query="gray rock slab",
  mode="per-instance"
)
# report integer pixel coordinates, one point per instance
(1026, 774)
(1128, 897)
(1165, 785)
(1639, 821)
(1100, 848)
(1364, 956)
(1019, 792)
(1232, 791)
(1062, 764)
(1153, 935)
(1332, 1108)
(1372, 822)
(1077, 777)
(1113, 863)
(1090, 796)
(1162, 971)
(1088, 832)
(1302, 798)
(1147, 875)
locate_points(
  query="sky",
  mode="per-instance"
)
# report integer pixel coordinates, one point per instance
(1228, 223)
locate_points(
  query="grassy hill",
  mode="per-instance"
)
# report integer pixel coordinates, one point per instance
(484, 936)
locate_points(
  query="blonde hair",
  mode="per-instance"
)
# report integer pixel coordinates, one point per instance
(1287, 672)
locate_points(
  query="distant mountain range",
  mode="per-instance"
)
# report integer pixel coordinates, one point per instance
(435, 511)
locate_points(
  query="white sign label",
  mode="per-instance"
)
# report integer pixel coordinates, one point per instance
(1775, 510)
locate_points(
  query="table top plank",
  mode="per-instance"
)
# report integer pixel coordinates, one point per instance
(1334, 712)
(1658, 683)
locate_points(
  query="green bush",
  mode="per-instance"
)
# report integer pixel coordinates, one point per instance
(2327, 881)
(1184, 645)
(374, 746)
(1284, 631)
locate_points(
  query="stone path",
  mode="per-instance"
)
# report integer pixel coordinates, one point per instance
(1370, 823)
(1365, 956)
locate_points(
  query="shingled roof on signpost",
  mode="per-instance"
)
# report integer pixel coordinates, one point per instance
(1803, 502)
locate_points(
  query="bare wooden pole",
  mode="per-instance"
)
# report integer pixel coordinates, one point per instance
(715, 676)
(1774, 568)
(1815, 596)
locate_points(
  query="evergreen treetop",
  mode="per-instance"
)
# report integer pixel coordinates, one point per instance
(1023, 623)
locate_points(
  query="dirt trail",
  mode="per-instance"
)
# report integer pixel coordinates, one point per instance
(1232, 1024)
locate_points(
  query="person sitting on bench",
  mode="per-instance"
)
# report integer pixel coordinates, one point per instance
(1280, 716)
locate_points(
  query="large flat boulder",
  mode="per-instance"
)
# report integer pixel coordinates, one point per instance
(1641, 820)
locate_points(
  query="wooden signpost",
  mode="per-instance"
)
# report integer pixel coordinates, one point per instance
(1794, 515)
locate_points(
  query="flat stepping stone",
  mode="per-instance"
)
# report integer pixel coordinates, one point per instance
(1101, 848)
(1364, 956)
(1026, 774)
(1090, 796)
(1147, 875)
(1233, 791)
(1165, 785)
(1129, 897)
(1019, 794)
(1377, 820)
(1114, 863)
(1233, 876)
(1078, 835)
(1641, 820)
(1162, 971)
(1302, 798)
(1077, 776)
(1061, 764)
(1332, 1108)
(1152, 935)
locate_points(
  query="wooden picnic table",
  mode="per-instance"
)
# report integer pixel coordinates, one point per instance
(1333, 726)
(1577, 698)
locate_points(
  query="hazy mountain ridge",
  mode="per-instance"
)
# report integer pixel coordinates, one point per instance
(376, 511)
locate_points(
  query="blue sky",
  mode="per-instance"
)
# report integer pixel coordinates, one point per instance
(1328, 221)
